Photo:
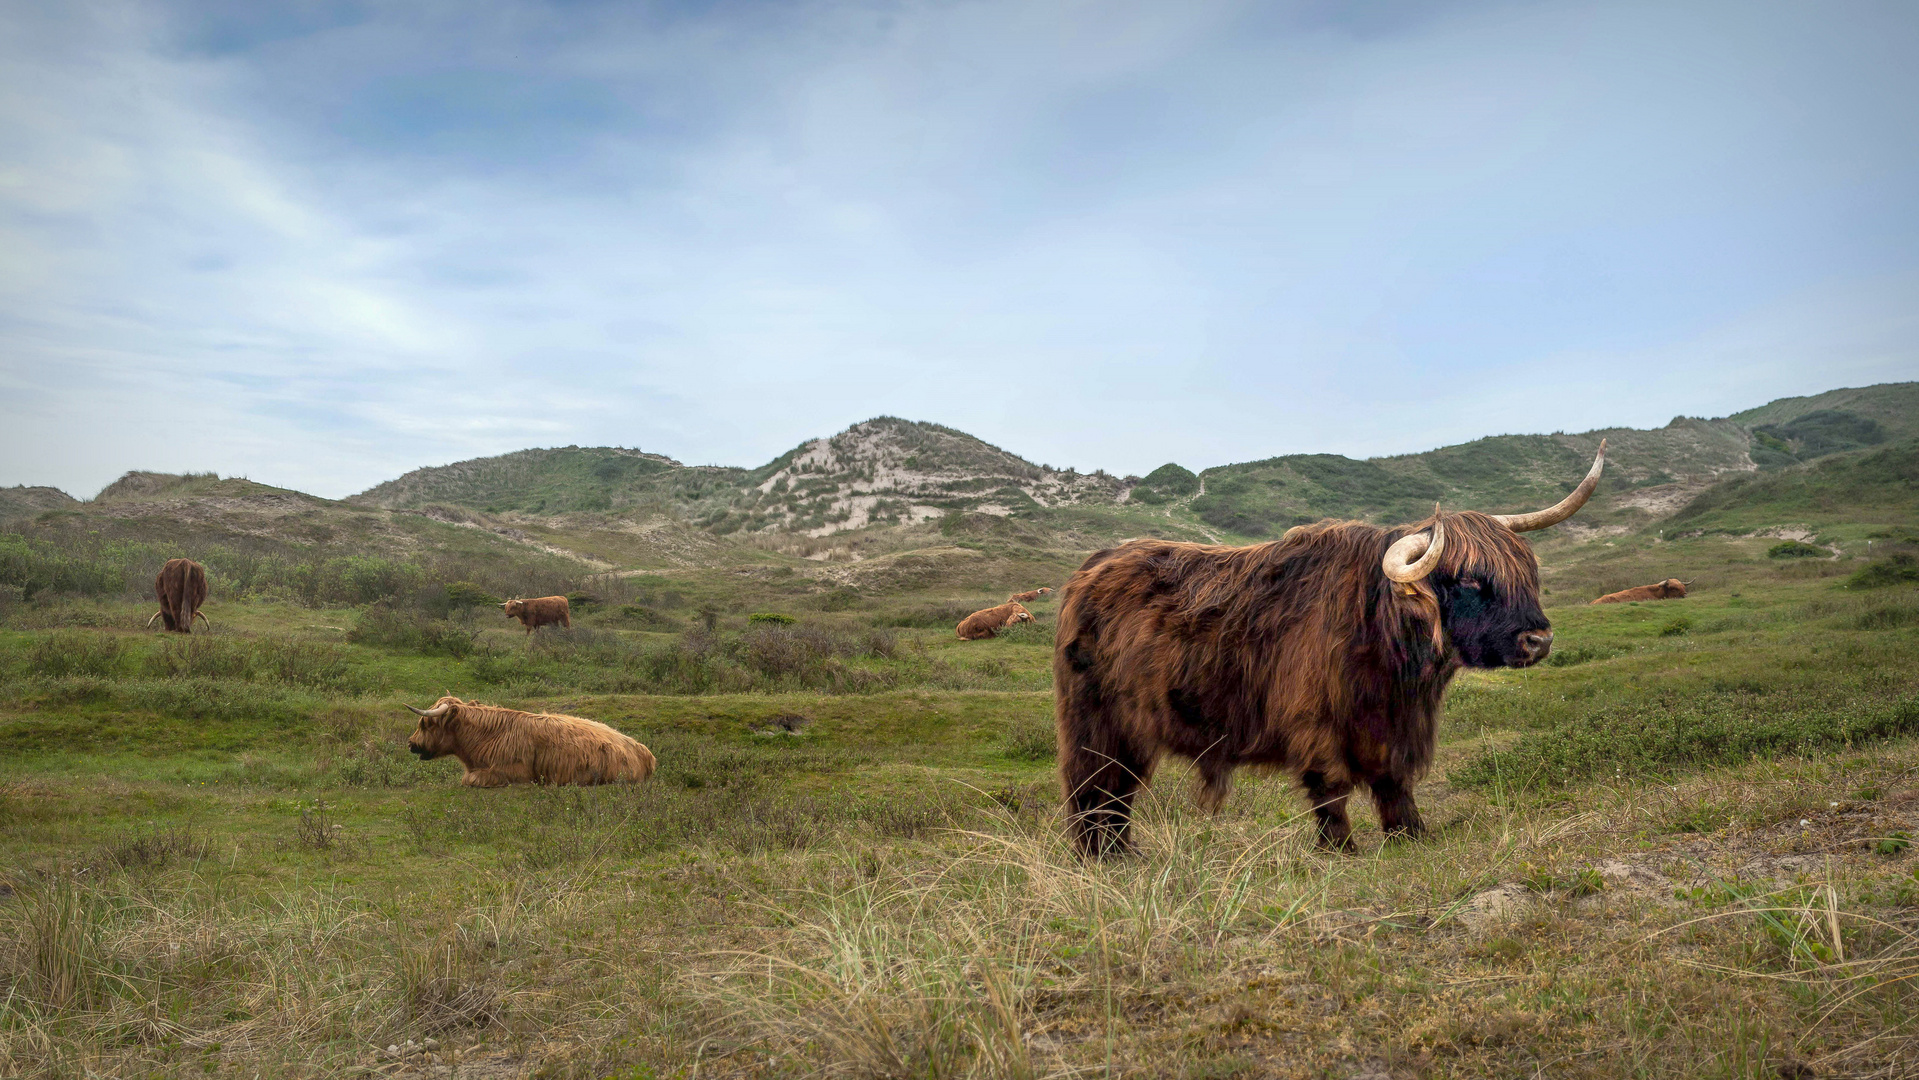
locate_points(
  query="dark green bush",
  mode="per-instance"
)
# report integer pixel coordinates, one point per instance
(642, 617)
(1578, 654)
(464, 594)
(1793, 549)
(771, 618)
(1899, 569)
(1676, 627)
(75, 652)
(1675, 731)
(389, 626)
(844, 598)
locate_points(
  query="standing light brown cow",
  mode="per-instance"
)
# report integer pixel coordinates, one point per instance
(1670, 589)
(988, 623)
(1325, 653)
(1029, 596)
(181, 587)
(505, 746)
(534, 614)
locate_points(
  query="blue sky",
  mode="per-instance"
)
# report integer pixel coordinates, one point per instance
(320, 244)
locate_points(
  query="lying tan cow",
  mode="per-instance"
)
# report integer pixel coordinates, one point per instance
(534, 614)
(1670, 589)
(505, 746)
(988, 623)
(1029, 596)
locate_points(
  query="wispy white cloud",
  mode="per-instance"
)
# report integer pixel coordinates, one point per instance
(351, 240)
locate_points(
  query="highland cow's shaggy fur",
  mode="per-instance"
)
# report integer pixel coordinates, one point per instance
(505, 746)
(536, 613)
(1297, 655)
(988, 623)
(181, 587)
(1670, 589)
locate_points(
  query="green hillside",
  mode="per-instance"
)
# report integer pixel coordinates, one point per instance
(23, 501)
(1876, 487)
(1649, 474)
(553, 481)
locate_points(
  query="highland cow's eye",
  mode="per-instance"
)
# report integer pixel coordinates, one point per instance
(1471, 584)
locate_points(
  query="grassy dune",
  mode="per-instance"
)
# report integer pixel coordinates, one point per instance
(1681, 848)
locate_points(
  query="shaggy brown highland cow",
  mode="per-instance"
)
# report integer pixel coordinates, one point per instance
(505, 746)
(988, 623)
(181, 587)
(534, 614)
(1325, 653)
(1670, 589)
(1028, 596)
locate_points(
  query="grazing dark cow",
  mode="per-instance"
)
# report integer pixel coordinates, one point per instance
(181, 587)
(1325, 653)
(1670, 589)
(988, 623)
(1029, 596)
(534, 614)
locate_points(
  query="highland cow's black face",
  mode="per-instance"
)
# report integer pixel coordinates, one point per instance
(1492, 624)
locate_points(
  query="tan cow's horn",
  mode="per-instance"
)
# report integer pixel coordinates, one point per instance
(155, 615)
(1399, 563)
(1564, 508)
(434, 713)
(202, 616)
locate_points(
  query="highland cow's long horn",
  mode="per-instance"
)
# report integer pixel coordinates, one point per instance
(434, 713)
(155, 615)
(1562, 510)
(202, 616)
(1413, 557)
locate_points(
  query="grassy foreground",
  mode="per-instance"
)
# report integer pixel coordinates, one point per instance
(1682, 849)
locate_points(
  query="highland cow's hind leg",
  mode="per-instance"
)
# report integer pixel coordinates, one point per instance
(1398, 814)
(1328, 799)
(1101, 773)
(1214, 783)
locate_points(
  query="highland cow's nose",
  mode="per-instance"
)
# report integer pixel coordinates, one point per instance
(1535, 644)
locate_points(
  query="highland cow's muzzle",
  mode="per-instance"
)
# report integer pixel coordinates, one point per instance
(1534, 646)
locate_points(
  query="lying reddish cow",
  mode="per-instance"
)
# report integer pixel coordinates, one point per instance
(988, 623)
(534, 614)
(1670, 589)
(1029, 596)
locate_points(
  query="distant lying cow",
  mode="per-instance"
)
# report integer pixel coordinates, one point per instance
(1029, 597)
(988, 623)
(1670, 589)
(181, 587)
(505, 746)
(534, 614)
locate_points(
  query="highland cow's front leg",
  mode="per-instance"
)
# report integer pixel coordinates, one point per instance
(1398, 814)
(485, 778)
(1328, 798)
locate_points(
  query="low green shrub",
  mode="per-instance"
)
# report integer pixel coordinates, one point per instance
(1675, 731)
(382, 624)
(1677, 627)
(1031, 737)
(464, 594)
(75, 652)
(773, 618)
(1899, 569)
(1579, 654)
(642, 617)
(1794, 549)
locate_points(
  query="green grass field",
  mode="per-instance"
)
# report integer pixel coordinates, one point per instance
(1680, 848)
